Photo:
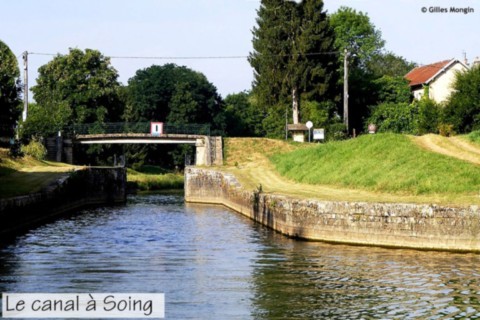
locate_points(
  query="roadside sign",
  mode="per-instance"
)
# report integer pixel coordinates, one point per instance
(318, 134)
(156, 128)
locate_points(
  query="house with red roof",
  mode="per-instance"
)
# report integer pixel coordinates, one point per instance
(438, 77)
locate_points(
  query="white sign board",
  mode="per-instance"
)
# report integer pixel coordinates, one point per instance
(156, 128)
(318, 134)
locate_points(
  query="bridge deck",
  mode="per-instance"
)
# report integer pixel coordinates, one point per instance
(137, 138)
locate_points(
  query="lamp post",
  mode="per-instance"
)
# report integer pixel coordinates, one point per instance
(309, 125)
(345, 89)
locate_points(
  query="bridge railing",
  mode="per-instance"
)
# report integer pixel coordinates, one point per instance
(140, 127)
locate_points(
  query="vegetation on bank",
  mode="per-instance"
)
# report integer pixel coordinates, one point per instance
(474, 136)
(151, 178)
(25, 175)
(382, 163)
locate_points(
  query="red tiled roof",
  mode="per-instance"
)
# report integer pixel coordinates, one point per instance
(421, 75)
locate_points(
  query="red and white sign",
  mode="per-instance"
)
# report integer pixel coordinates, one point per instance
(156, 128)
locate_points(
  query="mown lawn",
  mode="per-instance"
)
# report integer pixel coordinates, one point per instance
(20, 176)
(389, 163)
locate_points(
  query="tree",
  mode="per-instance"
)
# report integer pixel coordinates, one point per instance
(175, 95)
(395, 117)
(243, 118)
(392, 89)
(76, 88)
(10, 91)
(355, 32)
(463, 107)
(85, 81)
(46, 121)
(429, 115)
(293, 46)
(389, 64)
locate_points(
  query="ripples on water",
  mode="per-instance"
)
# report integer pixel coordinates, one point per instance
(212, 263)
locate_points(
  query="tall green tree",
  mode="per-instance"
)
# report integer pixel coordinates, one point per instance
(355, 32)
(358, 35)
(293, 45)
(389, 64)
(243, 117)
(463, 107)
(392, 89)
(76, 88)
(174, 95)
(46, 121)
(10, 91)
(85, 82)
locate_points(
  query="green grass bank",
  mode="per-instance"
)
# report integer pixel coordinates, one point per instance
(26, 175)
(152, 178)
(390, 163)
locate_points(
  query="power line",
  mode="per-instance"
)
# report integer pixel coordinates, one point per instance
(201, 57)
(43, 54)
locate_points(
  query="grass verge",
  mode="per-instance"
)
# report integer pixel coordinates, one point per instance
(382, 162)
(20, 176)
(474, 136)
(154, 178)
(374, 168)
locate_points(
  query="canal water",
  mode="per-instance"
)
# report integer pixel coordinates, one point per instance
(213, 263)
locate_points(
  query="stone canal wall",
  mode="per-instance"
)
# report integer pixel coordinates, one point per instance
(401, 225)
(87, 187)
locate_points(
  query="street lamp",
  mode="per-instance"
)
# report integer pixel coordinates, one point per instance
(309, 125)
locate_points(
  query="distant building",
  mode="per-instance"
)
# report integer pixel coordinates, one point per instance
(438, 76)
(476, 62)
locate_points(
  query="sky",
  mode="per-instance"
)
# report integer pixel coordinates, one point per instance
(215, 28)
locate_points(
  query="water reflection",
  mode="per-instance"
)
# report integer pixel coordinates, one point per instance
(212, 263)
(305, 280)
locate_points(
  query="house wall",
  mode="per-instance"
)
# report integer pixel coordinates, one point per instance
(441, 87)
(417, 94)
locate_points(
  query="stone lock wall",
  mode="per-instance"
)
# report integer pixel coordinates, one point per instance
(87, 187)
(400, 225)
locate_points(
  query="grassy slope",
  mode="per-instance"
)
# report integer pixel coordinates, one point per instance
(386, 162)
(154, 178)
(27, 175)
(385, 168)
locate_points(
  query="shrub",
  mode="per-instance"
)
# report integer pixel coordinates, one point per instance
(446, 130)
(336, 132)
(474, 136)
(428, 118)
(395, 117)
(35, 149)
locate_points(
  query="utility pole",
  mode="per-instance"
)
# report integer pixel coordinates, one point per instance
(25, 86)
(345, 89)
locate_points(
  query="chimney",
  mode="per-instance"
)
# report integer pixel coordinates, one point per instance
(465, 60)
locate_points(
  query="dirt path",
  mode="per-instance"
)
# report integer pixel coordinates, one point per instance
(453, 147)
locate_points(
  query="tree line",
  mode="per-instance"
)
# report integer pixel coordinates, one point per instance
(298, 65)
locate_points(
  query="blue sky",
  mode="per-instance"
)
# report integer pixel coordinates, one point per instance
(166, 28)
